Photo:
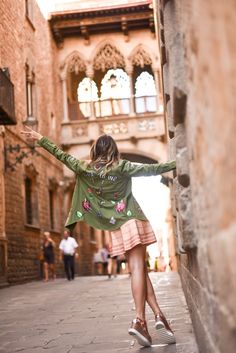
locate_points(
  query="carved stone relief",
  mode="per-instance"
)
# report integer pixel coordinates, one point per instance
(114, 128)
(76, 64)
(108, 57)
(81, 130)
(141, 58)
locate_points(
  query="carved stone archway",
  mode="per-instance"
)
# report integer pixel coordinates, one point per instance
(140, 57)
(107, 57)
(74, 64)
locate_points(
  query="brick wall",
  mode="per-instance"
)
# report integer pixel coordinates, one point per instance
(198, 47)
(24, 41)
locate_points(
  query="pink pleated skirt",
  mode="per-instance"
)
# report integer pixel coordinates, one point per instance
(130, 234)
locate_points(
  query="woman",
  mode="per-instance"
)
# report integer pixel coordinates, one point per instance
(103, 198)
(48, 254)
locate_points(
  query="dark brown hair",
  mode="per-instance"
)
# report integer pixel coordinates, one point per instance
(104, 150)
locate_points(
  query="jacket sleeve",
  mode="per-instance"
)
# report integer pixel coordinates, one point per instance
(70, 161)
(135, 170)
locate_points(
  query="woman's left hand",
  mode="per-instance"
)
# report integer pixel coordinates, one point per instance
(31, 135)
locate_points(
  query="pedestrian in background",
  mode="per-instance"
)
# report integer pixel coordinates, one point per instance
(97, 262)
(103, 199)
(48, 256)
(68, 247)
(105, 253)
(112, 263)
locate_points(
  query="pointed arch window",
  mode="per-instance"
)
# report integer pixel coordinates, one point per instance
(115, 93)
(87, 93)
(145, 93)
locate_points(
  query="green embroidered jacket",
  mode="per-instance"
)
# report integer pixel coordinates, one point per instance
(102, 198)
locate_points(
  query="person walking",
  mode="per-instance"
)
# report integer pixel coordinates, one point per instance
(48, 256)
(104, 253)
(103, 199)
(68, 247)
(112, 262)
(97, 262)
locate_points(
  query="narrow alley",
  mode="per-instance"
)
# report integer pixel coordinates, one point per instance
(91, 314)
(112, 113)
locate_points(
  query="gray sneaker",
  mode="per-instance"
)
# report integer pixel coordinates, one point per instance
(139, 330)
(164, 332)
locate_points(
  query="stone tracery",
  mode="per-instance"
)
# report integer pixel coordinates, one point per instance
(141, 58)
(108, 57)
(76, 64)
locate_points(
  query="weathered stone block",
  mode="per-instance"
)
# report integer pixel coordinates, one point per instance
(170, 125)
(184, 207)
(171, 149)
(179, 239)
(183, 167)
(163, 55)
(179, 106)
(222, 246)
(180, 136)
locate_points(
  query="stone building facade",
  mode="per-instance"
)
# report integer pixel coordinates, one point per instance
(198, 46)
(31, 195)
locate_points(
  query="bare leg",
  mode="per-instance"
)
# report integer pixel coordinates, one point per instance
(114, 267)
(52, 268)
(165, 334)
(151, 297)
(109, 267)
(136, 260)
(45, 271)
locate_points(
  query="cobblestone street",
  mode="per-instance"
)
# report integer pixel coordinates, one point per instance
(91, 314)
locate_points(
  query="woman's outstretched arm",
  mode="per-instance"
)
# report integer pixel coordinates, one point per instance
(135, 170)
(70, 161)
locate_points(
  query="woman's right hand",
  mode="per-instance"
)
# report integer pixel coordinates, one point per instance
(30, 134)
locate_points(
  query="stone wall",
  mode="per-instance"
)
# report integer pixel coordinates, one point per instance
(198, 47)
(28, 41)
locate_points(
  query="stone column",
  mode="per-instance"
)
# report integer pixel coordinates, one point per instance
(129, 70)
(157, 79)
(90, 75)
(64, 96)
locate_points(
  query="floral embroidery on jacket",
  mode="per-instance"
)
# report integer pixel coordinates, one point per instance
(79, 214)
(99, 214)
(86, 205)
(112, 220)
(99, 191)
(120, 206)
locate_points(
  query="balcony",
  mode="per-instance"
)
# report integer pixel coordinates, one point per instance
(111, 107)
(122, 127)
(7, 106)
